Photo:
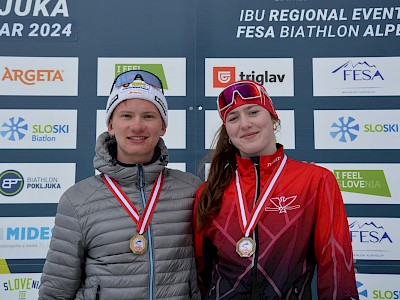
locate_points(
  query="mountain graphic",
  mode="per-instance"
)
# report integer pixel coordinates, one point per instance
(352, 225)
(352, 65)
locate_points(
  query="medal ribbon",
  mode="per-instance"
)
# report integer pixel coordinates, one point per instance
(241, 205)
(144, 221)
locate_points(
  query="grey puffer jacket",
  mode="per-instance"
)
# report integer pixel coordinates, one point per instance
(89, 256)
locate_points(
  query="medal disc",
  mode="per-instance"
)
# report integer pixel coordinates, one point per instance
(245, 247)
(138, 244)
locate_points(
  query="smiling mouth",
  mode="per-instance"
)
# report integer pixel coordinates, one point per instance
(248, 135)
(137, 138)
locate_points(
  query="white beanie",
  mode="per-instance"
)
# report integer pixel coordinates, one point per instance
(137, 90)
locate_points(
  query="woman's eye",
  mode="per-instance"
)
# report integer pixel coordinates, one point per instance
(231, 118)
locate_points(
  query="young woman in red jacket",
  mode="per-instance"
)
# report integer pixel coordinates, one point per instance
(264, 222)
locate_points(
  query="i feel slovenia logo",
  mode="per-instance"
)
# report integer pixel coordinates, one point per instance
(345, 129)
(14, 129)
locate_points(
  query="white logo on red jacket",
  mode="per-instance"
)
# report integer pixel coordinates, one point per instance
(282, 204)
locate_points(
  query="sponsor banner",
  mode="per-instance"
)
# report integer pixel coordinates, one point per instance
(174, 138)
(35, 182)
(285, 135)
(18, 286)
(38, 76)
(38, 129)
(357, 129)
(25, 238)
(36, 21)
(291, 22)
(356, 76)
(367, 183)
(375, 238)
(378, 286)
(275, 74)
(171, 71)
(177, 166)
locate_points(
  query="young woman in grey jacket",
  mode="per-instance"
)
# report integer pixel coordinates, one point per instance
(126, 233)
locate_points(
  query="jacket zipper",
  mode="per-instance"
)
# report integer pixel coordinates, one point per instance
(254, 270)
(149, 234)
(98, 293)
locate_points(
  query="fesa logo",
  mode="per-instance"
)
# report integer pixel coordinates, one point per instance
(223, 76)
(31, 76)
(358, 71)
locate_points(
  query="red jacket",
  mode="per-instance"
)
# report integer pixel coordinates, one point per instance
(303, 226)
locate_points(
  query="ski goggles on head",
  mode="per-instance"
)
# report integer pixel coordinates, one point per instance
(246, 89)
(129, 76)
(249, 92)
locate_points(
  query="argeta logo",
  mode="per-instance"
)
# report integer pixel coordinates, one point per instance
(14, 129)
(11, 183)
(223, 76)
(344, 130)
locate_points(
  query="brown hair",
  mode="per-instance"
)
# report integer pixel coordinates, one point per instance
(221, 173)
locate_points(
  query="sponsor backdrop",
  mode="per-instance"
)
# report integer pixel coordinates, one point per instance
(331, 68)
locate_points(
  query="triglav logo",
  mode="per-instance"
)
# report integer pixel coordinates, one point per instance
(14, 129)
(11, 183)
(223, 76)
(358, 71)
(362, 291)
(345, 130)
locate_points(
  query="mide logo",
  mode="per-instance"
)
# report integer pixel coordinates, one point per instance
(11, 183)
(345, 130)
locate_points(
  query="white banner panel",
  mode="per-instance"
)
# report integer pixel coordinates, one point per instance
(25, 238)
(357, 129)
(356, 76)
(39, 76)
(38, 129)
(375, 238)
(275, 74)
(367, 183)
(20, 286)
(378, 286)
(35, 182)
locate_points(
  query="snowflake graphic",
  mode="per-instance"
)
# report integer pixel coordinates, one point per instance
(345, 131)
(14, 128)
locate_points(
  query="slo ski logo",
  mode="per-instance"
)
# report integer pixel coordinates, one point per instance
(345, 129)
(14, 129)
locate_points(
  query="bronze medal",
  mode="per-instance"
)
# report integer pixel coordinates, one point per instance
(138, 244)
(245, 247)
